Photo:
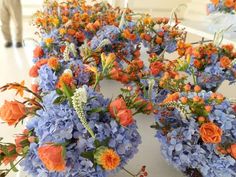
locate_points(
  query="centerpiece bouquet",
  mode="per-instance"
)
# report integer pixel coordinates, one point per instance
(222, 14)
(73, 130)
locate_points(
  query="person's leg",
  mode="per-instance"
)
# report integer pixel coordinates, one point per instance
(16, 14)
(5, 20)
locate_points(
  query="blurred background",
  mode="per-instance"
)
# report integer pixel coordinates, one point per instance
(15, 64)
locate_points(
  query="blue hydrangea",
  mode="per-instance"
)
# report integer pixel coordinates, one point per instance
(182, 146)
(47, 79)
(60, 123)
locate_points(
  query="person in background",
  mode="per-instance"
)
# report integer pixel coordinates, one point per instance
(11, 9)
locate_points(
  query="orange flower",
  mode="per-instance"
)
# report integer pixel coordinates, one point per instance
(38, 52)
(52, 157)
(35, 88)
(210, 133)
(125, 117)
(80, 36)
(66, 78)
(171, 98)
(117, 105)
(41, 62)
(21, 140)
(229, 3)
(71, 32)
(233, 151)
(215, 2)
(225, 62)
(53, 63)
(34, 71)
(128, 35)
(9, 159)
(48, 41)
(12, 112)
(107, 158)
(156, 67)
(19, 88)
(114, 74)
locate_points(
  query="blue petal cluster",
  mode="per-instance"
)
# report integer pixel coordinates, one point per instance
(181, 144)
(60, 124)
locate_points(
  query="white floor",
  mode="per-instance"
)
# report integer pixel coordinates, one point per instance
(14, 67)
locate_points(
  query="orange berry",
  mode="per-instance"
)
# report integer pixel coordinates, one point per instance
(196, 99)
(197, 88)
(187, 87)
(201, 119)
(184, 100)
(208, 108)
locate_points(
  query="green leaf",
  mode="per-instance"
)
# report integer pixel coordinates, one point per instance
(59, 100)
(68, 92)
(13, 167)
(105, 143)
(96, 110)
(88, 155)
(59, 92)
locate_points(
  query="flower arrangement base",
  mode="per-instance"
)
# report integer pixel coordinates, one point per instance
(190, 172)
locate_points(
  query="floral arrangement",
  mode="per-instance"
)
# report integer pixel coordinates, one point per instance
(225, 6)
(73, 130)
(209, 65)
(197, 132)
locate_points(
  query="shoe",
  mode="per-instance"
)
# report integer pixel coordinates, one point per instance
(19, 45)
(8, 44)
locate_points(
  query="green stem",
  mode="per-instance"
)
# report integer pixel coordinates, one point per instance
(14, 165)
(194, 78)
(123, 168)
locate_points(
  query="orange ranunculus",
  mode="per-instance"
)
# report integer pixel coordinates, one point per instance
(229, 3)
(38, 52)
(52, 157)
(53, 63)
(107, 158)
(210, 133)
(125, 117)
(225, 62)
(34, 71)
(156, 67)
(233, 150)
(117, 105)
(215, 2)
(12, 112)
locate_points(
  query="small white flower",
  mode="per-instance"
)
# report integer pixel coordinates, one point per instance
(68, 71)
(80, 96)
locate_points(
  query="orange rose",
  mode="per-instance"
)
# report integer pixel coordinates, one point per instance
(34, 71)
(125, 117)
(156, 67)
(233, 150)
(229, 3)
(52, 157)
(225, 62)
(210, 133)
(38, 52)
(117, 105)
(12, 112)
